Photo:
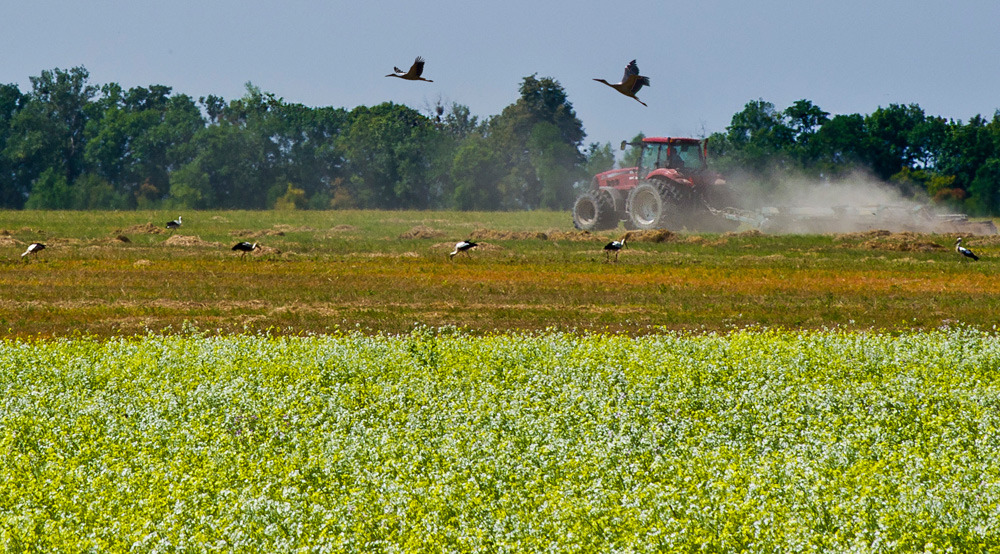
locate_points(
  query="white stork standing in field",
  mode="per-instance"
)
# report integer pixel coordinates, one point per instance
(414, 74)
(244, 247)
(33, 248)
(463, 246)
(175, 224)
(631, 82)
(965, 251)
(615, 246)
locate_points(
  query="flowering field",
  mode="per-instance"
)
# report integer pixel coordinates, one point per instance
(438, 441)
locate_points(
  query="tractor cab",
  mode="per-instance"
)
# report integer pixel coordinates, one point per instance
(680, 155)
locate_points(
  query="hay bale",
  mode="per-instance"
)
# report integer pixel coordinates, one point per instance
(265, 251)
(422, 232)
(744, 234)
(655, 235)
(145, 229)
(492, 234)
(189, 240)
(284, 228)
(251, 234)
(885, 240)
(576, 236)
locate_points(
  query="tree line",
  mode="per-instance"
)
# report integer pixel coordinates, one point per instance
(70, 144)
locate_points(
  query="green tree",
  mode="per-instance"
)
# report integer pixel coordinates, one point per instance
(386, 158)
(309, 150)
(968, 147)
(542, 102)
(91, 192)
(929, 139)
(476, 170)
(47, 133)
(984, 191)
(233, 161)
(190, 187)
(293, 199)
(242, 156)
(455, 125)
(840, 145)
(214, 107)
(558, 166)
(891, 132)
(141, 137)
(759, 138)
(459, 122)
(13, 190)
(804, 119)
(599, 158)
(50, 191)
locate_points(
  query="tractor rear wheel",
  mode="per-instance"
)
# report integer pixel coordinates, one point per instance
(655, 205)
(594, 211)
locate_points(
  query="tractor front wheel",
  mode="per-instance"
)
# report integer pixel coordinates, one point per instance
(655, 205)
(594, 211)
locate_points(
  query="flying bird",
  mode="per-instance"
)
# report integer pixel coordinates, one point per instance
(463, 246)
(631, 82)
(244, 247)
(175, 224)
(33, 248)
(965, 251)
(414, 74)
(615, 246)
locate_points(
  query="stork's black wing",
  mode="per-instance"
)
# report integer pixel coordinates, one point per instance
(418, 67)
(639, 82)
(630, 70)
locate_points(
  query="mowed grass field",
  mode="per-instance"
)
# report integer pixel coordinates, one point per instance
(123, 273)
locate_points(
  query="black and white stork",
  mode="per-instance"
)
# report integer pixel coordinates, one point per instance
(965, 251)
(33, 248)
(244, 247)
(463, 246)
(615, 246)
(414, 74)
(631, 82)
(175, 224)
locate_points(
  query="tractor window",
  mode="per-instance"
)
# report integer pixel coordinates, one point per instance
(651, 158)
(689, 155)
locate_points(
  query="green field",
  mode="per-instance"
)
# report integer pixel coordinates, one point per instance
(113, 273)
(437, 441)
(347, 388)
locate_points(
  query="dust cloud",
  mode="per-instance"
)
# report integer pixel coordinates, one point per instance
(856, 203)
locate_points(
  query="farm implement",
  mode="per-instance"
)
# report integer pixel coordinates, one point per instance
(673, 188)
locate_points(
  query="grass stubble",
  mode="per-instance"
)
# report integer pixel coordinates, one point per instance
(108, 274)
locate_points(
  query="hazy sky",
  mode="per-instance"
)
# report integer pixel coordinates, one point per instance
(706, 59)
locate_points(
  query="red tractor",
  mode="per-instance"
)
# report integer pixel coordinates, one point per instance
(672, 188)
